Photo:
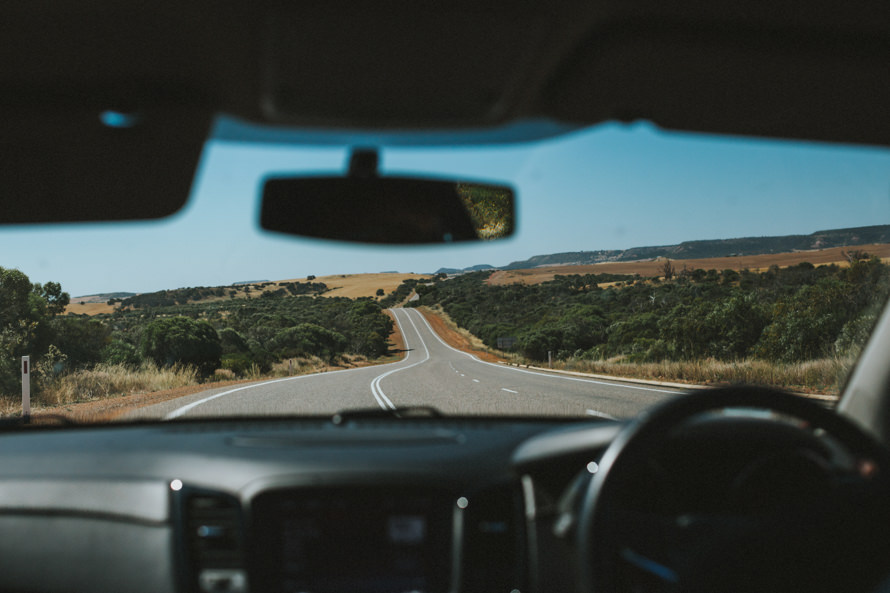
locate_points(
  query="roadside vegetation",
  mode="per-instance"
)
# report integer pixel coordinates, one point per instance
(799, 327)
(164, 341)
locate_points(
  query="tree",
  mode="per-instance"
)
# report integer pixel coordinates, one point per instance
(14, 290)
(80, 339)
(56, 300)
(537, 342)
(380, 292)
(735, 325)
(231, 341)
(26, 311)
(122, 353)
(668, 270)
(180, 340)
(25, 314)
(730, 276)
(309, 339)
(855, 255)
(807, 324)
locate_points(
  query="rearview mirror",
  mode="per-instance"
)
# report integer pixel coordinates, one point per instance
(387, 210)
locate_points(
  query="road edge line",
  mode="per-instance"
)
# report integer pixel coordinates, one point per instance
(817, 396)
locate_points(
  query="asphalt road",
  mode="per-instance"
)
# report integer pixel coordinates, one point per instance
(432, 374)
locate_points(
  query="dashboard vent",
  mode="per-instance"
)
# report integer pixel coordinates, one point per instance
(493, 545)
(214, 543)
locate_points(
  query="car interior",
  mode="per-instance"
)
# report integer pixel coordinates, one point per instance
(106, 108)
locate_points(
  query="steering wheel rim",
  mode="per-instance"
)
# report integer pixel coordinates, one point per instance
(643, 434)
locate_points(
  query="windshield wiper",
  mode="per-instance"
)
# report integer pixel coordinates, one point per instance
(399, 412)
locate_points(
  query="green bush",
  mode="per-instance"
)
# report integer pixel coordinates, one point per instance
(308, 339)
(82, 340)
(121, 353)
(173, 340)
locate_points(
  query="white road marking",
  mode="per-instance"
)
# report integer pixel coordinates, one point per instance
(184, 409)
(188, 407)
(181, 411)
(563, 377)
(377, 391)
(600, 415)
(475, 380)
(508, 390)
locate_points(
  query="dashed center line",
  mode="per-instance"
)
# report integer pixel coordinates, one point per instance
(508, 390)
(475, 380)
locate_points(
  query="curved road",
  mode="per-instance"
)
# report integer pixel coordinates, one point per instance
(434, 374)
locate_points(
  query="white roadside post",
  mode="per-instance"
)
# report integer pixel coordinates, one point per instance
(26, 388)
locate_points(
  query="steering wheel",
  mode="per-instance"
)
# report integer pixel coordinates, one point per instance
(823, 546)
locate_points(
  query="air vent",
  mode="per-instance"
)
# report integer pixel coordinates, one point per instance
(493, 544)
(214, 543)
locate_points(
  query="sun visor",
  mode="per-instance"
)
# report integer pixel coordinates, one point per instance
(72, 163)
(782, 82)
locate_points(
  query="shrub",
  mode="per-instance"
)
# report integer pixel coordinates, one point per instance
(307, 339)
(181, 340)
(121, 353)
(82, 340)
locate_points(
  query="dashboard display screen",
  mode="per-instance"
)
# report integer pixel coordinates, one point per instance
(384, 541)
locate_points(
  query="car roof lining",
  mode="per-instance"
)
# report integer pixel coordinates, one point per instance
(777, 69)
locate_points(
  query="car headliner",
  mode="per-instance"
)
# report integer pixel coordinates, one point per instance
(774, 68)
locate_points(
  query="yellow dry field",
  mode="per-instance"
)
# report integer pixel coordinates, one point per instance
(346, 285)
(88, 308)
(352, 286)
(654, 267)
(360, 285)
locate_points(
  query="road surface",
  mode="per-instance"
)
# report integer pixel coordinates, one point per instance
(432, 374)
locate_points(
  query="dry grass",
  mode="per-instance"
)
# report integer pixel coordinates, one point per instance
(298, 366)
(824, 376)
(815, 376)
(458, 337)
(396, 340)
(85, 308)
(106, 380)
(107, 392)
(652, 268)
(108, 409)
(340, 285)
(363, 285)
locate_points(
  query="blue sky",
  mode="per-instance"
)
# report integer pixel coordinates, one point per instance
(609, 187)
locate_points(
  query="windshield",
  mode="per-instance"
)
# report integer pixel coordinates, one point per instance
(644, 262)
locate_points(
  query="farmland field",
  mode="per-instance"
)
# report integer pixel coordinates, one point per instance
(361, 285)
(339, 285)
(654, 267)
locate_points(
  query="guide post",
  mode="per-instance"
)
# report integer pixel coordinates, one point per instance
(26, 388)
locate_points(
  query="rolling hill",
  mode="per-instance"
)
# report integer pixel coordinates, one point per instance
(706, 249)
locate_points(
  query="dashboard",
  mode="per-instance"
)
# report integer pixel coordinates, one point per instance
(363, 505)
(266, 505)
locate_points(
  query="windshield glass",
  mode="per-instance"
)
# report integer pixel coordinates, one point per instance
(670, 260)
